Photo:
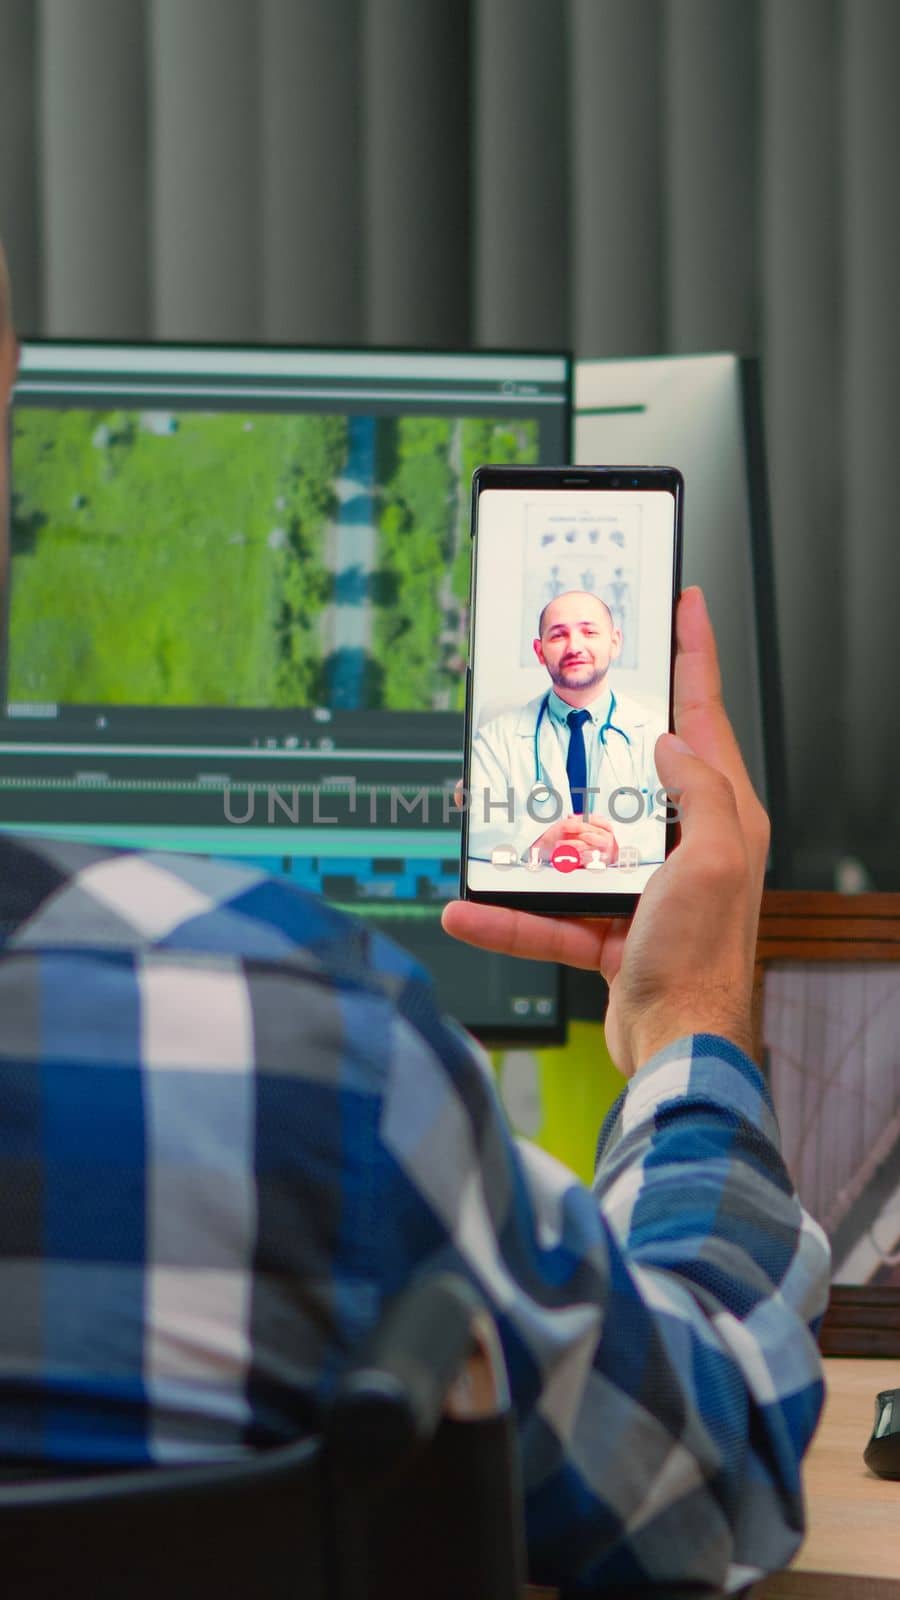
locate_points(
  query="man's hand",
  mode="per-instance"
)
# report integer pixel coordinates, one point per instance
(587, 833)
(685, 965)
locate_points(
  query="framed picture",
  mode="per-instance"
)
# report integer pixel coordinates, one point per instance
(827, 1034)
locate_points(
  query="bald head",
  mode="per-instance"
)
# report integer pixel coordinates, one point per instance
(568, 604)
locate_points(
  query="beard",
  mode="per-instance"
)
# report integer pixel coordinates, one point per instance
(582, 677)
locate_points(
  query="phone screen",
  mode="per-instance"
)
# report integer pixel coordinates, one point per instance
(570, 687)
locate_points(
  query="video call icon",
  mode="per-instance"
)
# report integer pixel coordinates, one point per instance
(504, 855)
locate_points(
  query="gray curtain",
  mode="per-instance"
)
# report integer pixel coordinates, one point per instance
(622, 176)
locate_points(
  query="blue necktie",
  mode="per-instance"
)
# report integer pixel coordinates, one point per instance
(576, 760)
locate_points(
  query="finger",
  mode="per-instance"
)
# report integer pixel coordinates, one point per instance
(590, 830)
(706, 800)
(701, 718)
(716, 858)
(591, 839)
(700, 715)
(595, 820)
(564, 829)
(581, 824)
(592, 944)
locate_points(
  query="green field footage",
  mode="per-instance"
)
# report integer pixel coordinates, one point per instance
(191, 559)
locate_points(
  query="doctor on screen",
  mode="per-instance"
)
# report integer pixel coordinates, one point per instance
(574, 764)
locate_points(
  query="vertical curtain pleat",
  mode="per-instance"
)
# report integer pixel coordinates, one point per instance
(520, 174)
(415, 161)
(204, 75)
(311, 177)
(802, 346)
(869, 672)
(93, 148)
(709, 143)
(616, 232)
(19, 217)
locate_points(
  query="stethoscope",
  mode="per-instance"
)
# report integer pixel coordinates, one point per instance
(608, 727)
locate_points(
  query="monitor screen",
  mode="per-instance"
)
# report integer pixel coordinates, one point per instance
(238, 610)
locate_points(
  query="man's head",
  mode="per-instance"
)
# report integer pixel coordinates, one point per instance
(578, 640)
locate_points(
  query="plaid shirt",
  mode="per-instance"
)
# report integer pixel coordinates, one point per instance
(232, 1122)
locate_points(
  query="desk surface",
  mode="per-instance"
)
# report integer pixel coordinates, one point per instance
(852, 1546)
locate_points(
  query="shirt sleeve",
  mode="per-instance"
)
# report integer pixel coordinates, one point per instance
(658, 1329)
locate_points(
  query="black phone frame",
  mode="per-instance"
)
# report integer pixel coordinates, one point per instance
(620, 479)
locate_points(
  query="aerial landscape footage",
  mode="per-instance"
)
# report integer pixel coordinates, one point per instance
(189, 558)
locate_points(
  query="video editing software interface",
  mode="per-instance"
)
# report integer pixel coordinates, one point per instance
(238, 614)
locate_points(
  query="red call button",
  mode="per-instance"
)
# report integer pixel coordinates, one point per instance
(565, 858)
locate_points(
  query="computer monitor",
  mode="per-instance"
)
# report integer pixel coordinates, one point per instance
(237, 617)
(703, 414)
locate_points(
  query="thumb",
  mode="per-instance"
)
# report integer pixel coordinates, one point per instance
(674, 758)
(703, 795)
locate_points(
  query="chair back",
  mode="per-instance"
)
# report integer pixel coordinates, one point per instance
(257, 1528)
(393, 1500)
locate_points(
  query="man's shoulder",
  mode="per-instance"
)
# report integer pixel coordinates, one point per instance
(638, 714)
(511, 718)
(64, 895)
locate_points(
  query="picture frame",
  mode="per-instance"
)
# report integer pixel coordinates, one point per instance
(831, 1055)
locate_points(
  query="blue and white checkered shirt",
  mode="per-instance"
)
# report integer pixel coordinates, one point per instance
(232, 1122)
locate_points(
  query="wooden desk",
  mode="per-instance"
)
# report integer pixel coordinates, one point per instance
(852, 1547)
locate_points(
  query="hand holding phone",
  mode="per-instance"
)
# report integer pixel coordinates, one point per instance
(574, 576)
(685, 964)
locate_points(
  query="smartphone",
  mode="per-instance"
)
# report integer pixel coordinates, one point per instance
(575, 576)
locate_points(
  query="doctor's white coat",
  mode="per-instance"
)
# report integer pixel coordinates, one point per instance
(515, 793)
